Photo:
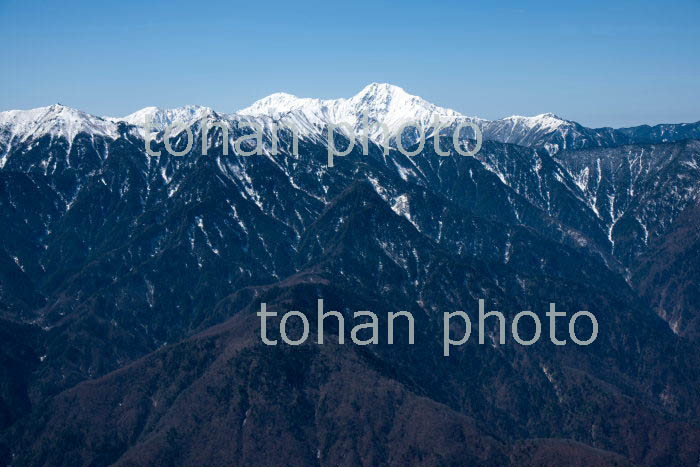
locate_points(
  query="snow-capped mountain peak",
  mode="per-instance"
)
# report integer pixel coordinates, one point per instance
(387, 96)
(528, 131)
(56, 120)
(379, 103)
(161, 118)
(541, 121)
(278, 104)
(393, 105)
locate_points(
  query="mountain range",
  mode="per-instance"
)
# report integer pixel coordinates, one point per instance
(129, 286)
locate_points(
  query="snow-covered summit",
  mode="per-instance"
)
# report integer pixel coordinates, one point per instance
(161, 118)
(56, 120)
(545, 121)
(379, 103)
(518, 129)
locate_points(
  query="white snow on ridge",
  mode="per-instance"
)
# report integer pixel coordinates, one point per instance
(516, 128)
(392, 106)
(161, 118)
(57, 120)
(546, 121)
(380, 103)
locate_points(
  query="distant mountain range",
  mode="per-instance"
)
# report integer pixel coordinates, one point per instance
(378, 102)
(129, 286)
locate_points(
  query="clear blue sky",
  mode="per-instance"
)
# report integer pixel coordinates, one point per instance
(596, 62)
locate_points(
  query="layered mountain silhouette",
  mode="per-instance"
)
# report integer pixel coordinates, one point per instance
(129, 286)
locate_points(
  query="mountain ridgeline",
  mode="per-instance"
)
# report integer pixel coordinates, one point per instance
(129, 286)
